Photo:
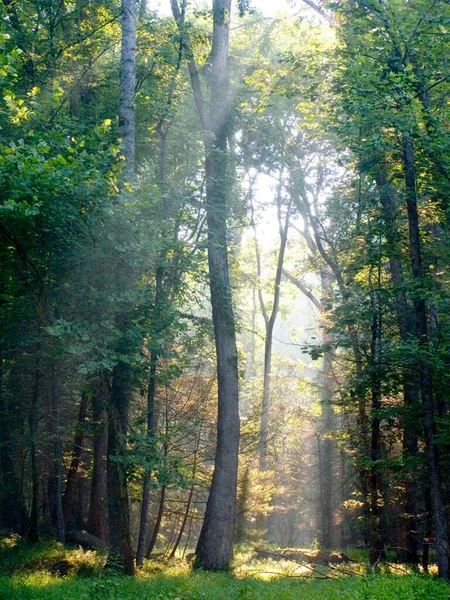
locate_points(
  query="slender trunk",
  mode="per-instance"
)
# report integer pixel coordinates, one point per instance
(183, 523)
(172, 535)
(191, 522)
(428, 530)
(58, 467)
(152, 424)
(376, 538)
(157, 526)
(160, 299)
(420, 312)
(97, 521)
(327, 475)
(127, 85)
(270, 322)
(191, 493)
(73, 521)
(264, 424)
(327, 419)
(33, 529)
(162, 496)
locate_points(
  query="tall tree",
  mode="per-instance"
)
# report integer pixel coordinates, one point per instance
(215, 545)
(118, 501)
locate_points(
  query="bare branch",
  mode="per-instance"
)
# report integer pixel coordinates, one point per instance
(299, 283)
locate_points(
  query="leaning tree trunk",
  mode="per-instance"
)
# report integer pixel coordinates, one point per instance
(215, 544)
(121, 551)
(191, 494)
(420, 312)
(157, 526)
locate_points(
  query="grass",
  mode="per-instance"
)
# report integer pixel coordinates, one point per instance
(47, 571)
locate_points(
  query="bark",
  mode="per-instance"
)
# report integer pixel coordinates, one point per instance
(152, 424)
(428, 530)
(72, 520)
(405, 320)
(57, 458)
(376, 537)
(157, 526)
(215, 544)
(420, 313)
(97, 521)
(121, 551)
(327, 475)
(128, 84)
(33, 528)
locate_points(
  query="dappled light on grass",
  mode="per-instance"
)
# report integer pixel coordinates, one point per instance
(218, 586)
(31, 573)
(312, 564)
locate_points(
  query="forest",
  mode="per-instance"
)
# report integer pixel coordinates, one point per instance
(225, 299)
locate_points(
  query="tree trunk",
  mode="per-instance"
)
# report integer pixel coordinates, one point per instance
(428, 530)
(97, 521)
(57, 458)
(327, 476)
(420, 312)
(121, 551)
(127, 85)
(160, 300)
(152, 424)
(183, 523)
(157, 526)
(264, 423)
(33, 529)
(376, 537)
(215, 544)
(405, 320)
(270, 320)
(189, 500)
(72, 521)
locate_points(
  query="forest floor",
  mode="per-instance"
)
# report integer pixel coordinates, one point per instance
(47, 571)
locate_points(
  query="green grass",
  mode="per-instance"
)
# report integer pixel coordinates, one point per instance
(219, 586)
(28, 573)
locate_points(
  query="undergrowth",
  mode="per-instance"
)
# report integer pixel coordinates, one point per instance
(48, 571)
